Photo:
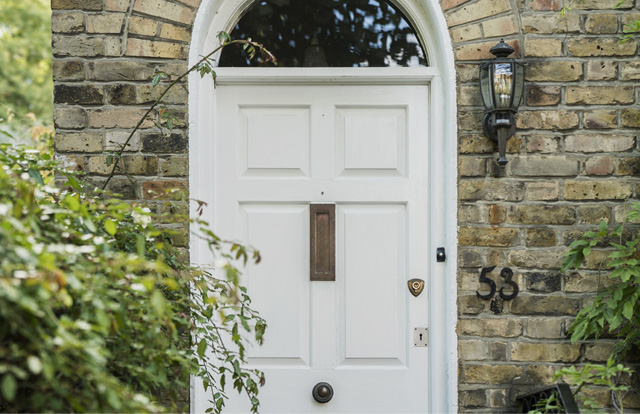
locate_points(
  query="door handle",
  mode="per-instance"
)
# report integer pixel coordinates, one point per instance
(322, 392)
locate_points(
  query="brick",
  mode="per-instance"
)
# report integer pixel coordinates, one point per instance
(69, 118)
(540, 259)
(543, 282)
(174, 166)
(544, 4)
(491, 190)
(67, 22)
(122, 94)
(554, 71)
(192, 3)
(601, 23)
(91, 5)
(475, 144)
(600, 95)
(597, 260)
(68, 70)
(471, 305)
(469, 96)
(148, 94)
(158, 49)
(599, 166)
(593, 214)
(598, 352)
(98, 165)
(547, 352)
(597, 190)
(165, 10)
(78, 94)
(500, 26)
(544, 144)
(498, 398)
(466, 33)
(601, 47)
(620, 213)
(117, 5)
(602, 70)
(540, 374)
(545, 328)
(541, 166)
(601, 5)
(140, 164)
(118, 118)
(472, 398)
(143, 26)
(118, 70)
(159, 189)
(157, 142)
(123, 186)
(542, 214)
(630, 117)
(497, 214)
(490, 374)
(545, 191)
(541, 238)
(473, 350)
(600, 119)
(598, 143)
(542, 47)
(551, 305)
(449, 4)
(469, 258)
(111, 23)
(583, 282)
(73, 163)
(499, 351)
(467, 72)
(470, 120)
(553, 120)
(498, 237)
(631, 71)
(77, 46)
(543, 95)
(480, 51)
(550, 23)
(115, 139)
(629, 166)
(471, 213)
(77, 142)
(490, 327)
(472, 167)
(173, 32)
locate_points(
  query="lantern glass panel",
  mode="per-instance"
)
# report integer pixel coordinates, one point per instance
(485, 87)
(503, 85)
(519, 86)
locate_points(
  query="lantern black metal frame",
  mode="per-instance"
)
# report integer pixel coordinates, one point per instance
(499, 121)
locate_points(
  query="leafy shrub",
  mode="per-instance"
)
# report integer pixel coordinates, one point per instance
(98, 313)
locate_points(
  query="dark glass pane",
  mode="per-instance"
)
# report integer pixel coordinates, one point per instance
(351, 33)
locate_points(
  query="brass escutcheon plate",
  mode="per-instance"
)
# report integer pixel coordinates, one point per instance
(416, 286)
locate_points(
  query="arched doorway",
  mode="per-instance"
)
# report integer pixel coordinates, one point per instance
(369, 147)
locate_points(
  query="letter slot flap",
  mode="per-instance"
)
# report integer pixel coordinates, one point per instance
(323, 242)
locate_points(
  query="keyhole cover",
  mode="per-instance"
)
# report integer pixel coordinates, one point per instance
(322, 392)
(416, 286)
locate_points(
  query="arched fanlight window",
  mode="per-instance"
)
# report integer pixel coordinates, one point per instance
(334, 33)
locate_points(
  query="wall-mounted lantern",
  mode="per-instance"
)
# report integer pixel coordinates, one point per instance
(501, 85)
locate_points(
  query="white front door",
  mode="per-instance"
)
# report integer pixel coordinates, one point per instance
(364, 149)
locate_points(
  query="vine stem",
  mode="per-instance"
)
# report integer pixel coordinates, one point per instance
(196, 66)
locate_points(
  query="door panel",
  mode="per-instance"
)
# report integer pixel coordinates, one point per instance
(280, 148)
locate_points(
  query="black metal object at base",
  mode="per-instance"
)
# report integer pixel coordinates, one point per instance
(322, 392)
(563, 398)
(499, 126)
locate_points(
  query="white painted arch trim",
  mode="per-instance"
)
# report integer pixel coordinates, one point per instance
(427, 18)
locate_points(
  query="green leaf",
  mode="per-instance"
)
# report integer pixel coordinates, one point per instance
(9, 387)
(35, 174)
(34, 364)
(158, 302)
(110, 227)
(627, 310)
(202, 347)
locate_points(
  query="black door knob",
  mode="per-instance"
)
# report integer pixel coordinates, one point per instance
(322, 392)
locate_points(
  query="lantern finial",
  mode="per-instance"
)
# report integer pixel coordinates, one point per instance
(502, 50)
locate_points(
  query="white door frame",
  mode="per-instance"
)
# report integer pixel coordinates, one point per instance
(428, 20)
